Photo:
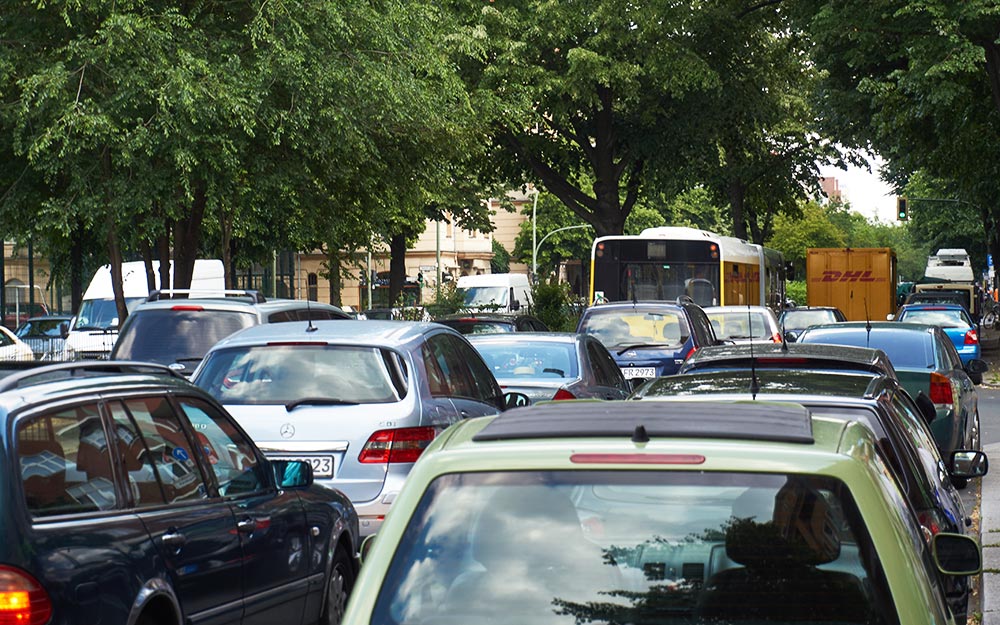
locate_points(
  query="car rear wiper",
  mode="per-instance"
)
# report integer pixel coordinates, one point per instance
(625, 348)
(318, 401)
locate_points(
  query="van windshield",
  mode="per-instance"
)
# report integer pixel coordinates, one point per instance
(486, 295)
(101, 314)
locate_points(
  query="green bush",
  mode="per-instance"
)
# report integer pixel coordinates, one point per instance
(796, 290)
(553, 304)
(448, 300)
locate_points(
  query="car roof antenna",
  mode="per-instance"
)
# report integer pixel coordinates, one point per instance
(309, 318)
(868, 325)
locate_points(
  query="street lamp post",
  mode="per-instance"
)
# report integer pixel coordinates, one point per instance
(534, 249)
(534, 245)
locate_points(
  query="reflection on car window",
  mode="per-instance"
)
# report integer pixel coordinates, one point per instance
(224, 450)
(573, 547)
(280, 374)
(538, 359)
(65, 463)
(627, 327)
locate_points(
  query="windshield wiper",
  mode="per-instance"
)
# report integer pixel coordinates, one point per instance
(641, 346)
(318, 401)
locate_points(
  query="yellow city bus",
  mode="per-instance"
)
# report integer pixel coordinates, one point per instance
(669, 262)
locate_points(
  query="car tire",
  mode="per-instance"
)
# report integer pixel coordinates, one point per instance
(338, 588)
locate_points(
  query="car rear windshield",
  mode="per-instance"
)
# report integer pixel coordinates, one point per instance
(944, 317)
(170, 336)
(568, 547)
(517, 359)
(740, 325)
(478, 326)
(621, 327)
(323, 374)
(799, 319)
(905, 349)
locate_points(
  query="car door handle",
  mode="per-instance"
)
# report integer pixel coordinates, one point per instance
(173, 539)
(246, 526)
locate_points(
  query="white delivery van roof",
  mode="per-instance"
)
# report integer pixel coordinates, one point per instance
(208, 274)
(493, 279)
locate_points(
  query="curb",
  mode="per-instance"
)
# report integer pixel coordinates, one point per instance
(989, 527)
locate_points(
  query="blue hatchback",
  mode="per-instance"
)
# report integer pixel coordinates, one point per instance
(951, 318)
(130, 497)
(648, 339)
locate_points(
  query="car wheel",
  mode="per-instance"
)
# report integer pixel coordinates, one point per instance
(974, 437)
(338, 588)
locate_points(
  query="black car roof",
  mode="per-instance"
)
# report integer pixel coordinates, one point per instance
(644, 421)
(770, 381)
(788, 355)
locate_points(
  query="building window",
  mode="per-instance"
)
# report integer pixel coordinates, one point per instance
(312, 282)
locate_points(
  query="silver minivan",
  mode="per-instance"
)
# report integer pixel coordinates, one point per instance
(358, 400)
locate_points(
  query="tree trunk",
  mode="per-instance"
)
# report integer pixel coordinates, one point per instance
(76, 268)
(737, 198)
(187, 238)
(397, 266)
(334, 275)
(147, 262)
(115, 256)
(163, 255)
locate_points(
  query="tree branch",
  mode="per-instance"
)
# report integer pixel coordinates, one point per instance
(757, 7)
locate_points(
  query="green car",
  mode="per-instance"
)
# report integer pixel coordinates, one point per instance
(672, 512)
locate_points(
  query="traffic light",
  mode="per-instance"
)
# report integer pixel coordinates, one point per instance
(902, 209)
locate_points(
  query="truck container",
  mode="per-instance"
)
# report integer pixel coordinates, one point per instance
(861, 282)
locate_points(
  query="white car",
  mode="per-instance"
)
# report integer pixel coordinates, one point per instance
(744, 324)
(13, 348)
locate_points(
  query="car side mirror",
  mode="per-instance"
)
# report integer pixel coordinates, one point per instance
(968, 463)
(956, 554)
(977, 366)
(926, 406)
(515, 305)
(514, 399)
(292, 473)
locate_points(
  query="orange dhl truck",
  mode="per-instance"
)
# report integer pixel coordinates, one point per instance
(860, 281)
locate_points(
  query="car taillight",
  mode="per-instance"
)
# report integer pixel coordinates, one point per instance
(693, 350)
(971, 338)
(23, 601)
(940, 389)
(928, 523)
(399, 445)
(187, 307)
(563, 394)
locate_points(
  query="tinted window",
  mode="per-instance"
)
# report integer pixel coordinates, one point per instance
(65, 463)
(905, 349)
(168, 448)
(456, 380)
(600, 370)
(280, 374)
(143, 479)
(227, 453)
(184, 336)
(571, 547)
(484, 385)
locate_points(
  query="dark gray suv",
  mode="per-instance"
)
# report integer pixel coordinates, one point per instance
(179, 332)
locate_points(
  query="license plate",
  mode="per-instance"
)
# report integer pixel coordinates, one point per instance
(322, 466)
(639, 372)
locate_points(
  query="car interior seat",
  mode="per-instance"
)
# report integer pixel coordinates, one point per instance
(778, 576)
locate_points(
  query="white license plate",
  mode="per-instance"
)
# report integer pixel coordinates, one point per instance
(639, 372)
(322, 466)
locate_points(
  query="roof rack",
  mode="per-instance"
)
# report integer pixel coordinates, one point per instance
(81, 368)
(750, 420)
(255, 296)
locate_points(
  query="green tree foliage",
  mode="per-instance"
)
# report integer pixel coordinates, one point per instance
(500, 263)
(919, 82)
(811, 228)
(552, 304)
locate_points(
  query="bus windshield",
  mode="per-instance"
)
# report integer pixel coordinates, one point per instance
(649, 269)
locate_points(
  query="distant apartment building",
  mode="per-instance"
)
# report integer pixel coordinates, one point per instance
(831, 188)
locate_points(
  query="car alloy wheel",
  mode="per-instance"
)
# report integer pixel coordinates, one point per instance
(338, 588)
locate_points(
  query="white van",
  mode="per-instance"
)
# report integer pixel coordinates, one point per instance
(94, 329)
(502, 292)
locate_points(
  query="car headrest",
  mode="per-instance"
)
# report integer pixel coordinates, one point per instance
(802, 531)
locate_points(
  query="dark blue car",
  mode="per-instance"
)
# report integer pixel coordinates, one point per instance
(648, 339)
(132, 498)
